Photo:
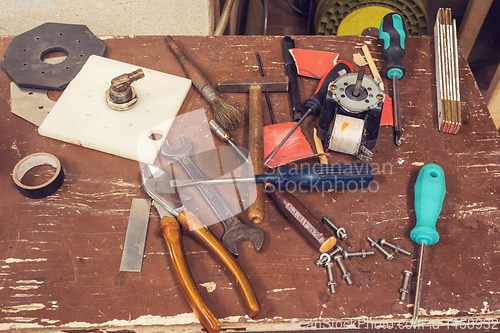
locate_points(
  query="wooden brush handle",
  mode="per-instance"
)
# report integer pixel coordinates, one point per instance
(256, 148)
(197, 77)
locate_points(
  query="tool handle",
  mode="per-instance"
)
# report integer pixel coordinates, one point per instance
(430, 190)
(173, 238)
(326, 176)
(199, 80)
(291, 70)
(302, 219)
(326, 116)
(256, 148)
(197, 230)
(393, 35)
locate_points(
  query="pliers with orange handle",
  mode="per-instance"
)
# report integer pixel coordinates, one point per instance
(174, 218)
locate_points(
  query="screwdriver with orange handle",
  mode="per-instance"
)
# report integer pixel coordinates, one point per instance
(430, 189)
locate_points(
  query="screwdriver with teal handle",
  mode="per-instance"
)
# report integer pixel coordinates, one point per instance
(430, 189)
(393, 35)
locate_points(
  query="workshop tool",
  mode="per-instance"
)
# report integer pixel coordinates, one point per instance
(319, 147)
(121, 95)
(224, 136)
(388, 255)
(268, 99)
(328, 256)
(340, 233)
(360, 254)
(255, 87)
(81, 115)
(170, 209)
(313, 103)
(406, 283)
(291, 70)
(355, 103)
(312, 63)
(316, 177)
(447, 73)
(395, 248)
(371, 64)
(345, 274)
(234, 230)
(225, 114)
(331, 281)
(24, 58)
(393, 34)
(295, 148)
(135, 238)
(303, 220)
(41, 190)
(430, 190)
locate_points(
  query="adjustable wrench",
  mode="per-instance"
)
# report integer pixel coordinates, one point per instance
(234, 229)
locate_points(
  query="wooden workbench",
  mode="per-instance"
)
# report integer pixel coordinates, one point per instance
(60, 256)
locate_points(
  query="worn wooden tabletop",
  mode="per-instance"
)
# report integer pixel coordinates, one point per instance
(60, 255)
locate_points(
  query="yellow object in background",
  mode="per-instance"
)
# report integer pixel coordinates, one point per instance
(359, 20)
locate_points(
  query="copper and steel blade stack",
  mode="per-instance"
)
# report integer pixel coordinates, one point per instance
(447, 75)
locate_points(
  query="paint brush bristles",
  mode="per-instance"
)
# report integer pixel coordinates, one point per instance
(225, 114)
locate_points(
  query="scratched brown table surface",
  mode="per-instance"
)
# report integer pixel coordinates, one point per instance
(60, 255)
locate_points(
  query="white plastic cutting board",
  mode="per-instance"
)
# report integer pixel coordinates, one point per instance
(81, 115)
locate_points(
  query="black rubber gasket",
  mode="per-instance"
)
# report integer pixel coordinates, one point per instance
(24, 63)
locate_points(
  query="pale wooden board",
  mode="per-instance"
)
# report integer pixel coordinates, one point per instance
(81, 115)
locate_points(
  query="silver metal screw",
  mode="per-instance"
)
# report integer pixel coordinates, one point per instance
(331, 282)
(327, 256)
(396, 248)
(339, 232)
(345, 274)
(388, 256)
(406, 282)
(362, 254)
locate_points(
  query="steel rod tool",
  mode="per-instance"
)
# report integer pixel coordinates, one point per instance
(317, 177)
(430, 189)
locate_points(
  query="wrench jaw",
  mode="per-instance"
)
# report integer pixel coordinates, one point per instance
(236, 231)
(175, 153)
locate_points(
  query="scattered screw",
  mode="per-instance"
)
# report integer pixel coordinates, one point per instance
(345, 274)
(325, 257)
(339, 232)
(361, 254)
(388, 256)
(396, 248)
(331, 282)
(406, 282)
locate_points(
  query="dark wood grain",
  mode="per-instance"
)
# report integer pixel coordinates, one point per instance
(60, 256)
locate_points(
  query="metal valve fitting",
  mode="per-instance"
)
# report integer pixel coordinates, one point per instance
(121, 95)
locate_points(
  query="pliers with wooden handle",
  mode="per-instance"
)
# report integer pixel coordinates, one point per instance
(174, 219)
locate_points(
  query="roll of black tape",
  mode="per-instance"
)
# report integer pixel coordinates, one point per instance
(42, 190)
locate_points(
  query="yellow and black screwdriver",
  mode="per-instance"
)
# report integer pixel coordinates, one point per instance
(393, 35)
